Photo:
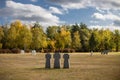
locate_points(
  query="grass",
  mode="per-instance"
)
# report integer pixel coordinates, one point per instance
(82, 67)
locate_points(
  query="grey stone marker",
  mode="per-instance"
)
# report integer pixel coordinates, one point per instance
(48, 57)
(91, 53)
(22, 52)
(57, 57)
(105, 52)
(66, 61)
(33, 52)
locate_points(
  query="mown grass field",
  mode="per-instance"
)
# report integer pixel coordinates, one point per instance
(82, 67)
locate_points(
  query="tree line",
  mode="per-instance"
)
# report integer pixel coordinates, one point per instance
(77, 37)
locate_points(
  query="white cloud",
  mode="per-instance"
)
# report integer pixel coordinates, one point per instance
(107, 10)
(108, 16)
(55, 10)
(29, 12)
(106, 4)
(96, 26)
(116, 23)
(78, 4)
(101, 6)
(95, 22)
(71, 4)
(98, 16)
(110, 27)
(100, 10)
(74, 5)
(34, 0)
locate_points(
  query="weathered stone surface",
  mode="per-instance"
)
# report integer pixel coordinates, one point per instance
(66, 61)
(57, 57)
(48, 57)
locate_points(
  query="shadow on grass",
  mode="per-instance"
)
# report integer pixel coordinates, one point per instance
(46, 69)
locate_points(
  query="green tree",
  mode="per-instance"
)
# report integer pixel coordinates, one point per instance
(1, 36)
(4, 39)
(84, 36)
(83, 26)
(92, 42)
(75, 28)
(117, 39)
(76, 40)
(51, 32)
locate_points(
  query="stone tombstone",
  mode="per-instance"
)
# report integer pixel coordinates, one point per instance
(66, 60)
(47, 63)
(22, 51)
(56, 57)
(105, 52)
(33, 52)
(101, 52)
(91, 53)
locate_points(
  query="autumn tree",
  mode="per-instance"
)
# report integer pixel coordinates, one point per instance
(74, 28)
(24, 38)
(4, 38)
(77, 36)
(105, 38)
(1, 36)
(13, 34)
(117, 40)
(94, 40)
(76, 40)
(39, 39)
(52, 31)
(63, 38)
(84, 36)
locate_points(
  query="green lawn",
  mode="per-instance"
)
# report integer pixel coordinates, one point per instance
(82, 67)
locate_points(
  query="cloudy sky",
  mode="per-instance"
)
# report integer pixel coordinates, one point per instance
(94, 13)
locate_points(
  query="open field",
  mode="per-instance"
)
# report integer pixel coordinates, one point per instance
(82, 67)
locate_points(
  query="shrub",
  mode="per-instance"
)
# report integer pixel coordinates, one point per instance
(27, 50)
(5, 51)
(15, 50)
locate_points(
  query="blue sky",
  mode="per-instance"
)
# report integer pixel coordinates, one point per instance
(94, 13)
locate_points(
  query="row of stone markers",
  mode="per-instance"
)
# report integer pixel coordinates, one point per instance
(57, 57)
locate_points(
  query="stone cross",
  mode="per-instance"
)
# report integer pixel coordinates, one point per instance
(48, 57)
(105, 52)
(66, 60)
(57, 57)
